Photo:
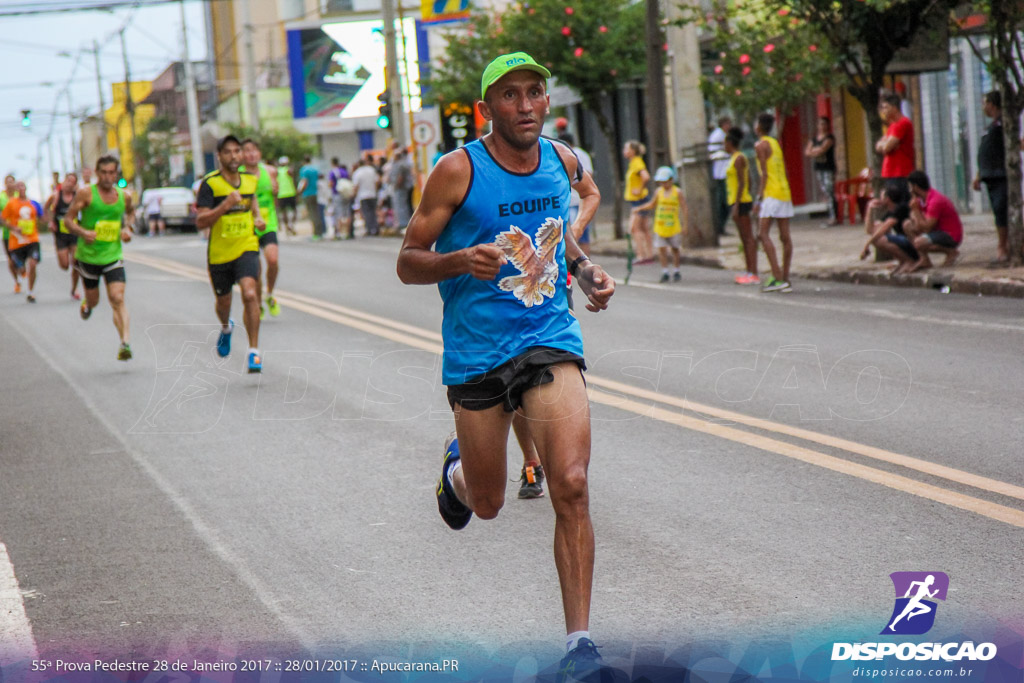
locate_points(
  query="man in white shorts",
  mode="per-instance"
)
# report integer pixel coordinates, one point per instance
(774, 202)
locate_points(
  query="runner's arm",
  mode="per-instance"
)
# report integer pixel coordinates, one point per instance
(586, 188)
(258, 221)
(418, 264)
(81, 200)
(207, 216)
(274, 187)
(595, 284)
(127, 222)
(763, 151)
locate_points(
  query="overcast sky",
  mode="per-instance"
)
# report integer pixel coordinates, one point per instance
(33, 71)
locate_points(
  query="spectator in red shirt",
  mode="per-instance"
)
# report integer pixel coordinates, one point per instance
(934, 223)
(897, 145)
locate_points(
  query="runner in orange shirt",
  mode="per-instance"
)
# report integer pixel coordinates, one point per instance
(22, 220)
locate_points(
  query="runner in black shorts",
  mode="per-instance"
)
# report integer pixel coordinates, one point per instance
(64, 240)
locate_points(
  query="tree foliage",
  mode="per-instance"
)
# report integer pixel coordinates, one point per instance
(276, 142)
(766, 58)
(153, 149)
(858, 39)
(593, 46)
(1004, 59)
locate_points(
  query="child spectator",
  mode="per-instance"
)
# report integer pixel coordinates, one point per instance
(670, 215)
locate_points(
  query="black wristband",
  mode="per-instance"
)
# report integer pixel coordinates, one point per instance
(576, 264)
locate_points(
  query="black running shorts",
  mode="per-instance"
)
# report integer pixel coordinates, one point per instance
(22, 254)
(91, 273)
(64, 240)
(506, 384)
(223, 276)
(268, 238)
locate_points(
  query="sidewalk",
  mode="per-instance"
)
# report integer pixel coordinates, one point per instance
(833, 254)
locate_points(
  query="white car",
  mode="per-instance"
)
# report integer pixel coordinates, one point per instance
(177, 208)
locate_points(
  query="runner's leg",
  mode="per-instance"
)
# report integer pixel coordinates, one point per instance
(560, 425)
(115, 295)
(480, 482)
(251, 316)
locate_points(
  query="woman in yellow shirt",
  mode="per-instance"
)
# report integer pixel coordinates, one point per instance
(637, 178)
(737, 185)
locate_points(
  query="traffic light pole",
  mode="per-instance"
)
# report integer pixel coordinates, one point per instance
(394, 79)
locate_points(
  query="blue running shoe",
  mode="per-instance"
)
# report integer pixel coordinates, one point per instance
(453, 511)
(580, 663)
(255, 362)
(224, 340)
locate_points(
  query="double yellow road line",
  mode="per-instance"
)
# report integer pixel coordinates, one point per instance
(689, 415)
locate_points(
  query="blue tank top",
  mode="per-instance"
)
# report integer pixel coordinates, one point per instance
(525, 306)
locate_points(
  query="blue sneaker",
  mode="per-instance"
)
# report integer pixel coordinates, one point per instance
(255, 362)
(224, 340)
(453, 511)
(579, 663)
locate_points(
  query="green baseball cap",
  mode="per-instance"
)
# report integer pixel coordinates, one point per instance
(506, 63)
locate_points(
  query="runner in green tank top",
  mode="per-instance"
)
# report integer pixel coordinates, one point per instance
(96, 215)
(9, 191)
(266, 188)
(286, 195)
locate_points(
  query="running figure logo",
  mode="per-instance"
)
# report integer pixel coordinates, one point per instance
(536, 264)
(914, 612)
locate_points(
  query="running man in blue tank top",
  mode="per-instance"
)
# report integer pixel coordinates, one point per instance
(492, 232)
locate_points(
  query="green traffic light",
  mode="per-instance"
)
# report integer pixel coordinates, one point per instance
(383, 121)
(122, 183)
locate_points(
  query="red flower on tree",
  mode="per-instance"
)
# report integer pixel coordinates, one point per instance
(566, 31)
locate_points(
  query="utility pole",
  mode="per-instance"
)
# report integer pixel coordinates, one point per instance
(690, 125)
(192, 104)
(249, 66)
(71, 128)
(657, 108)
(49, 153)
(129, 107)
(99, 89)
(394, 78)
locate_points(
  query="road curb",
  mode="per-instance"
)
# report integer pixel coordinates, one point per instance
(994, 286)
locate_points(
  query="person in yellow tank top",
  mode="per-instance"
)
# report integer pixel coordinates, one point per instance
(773, 203)
(227, 205)
(741, 203)
(671, 216)
(637, 178)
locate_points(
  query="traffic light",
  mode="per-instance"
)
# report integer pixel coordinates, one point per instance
(26, 118)
(122, 183)
(384, 110)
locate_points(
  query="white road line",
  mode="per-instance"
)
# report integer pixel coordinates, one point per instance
(16, 642)
(207, 533)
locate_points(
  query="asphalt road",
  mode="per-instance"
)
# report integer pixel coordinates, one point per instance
(761, 464)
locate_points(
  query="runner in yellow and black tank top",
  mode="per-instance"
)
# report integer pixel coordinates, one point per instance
(227, 205)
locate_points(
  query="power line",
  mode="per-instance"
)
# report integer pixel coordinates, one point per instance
(20, 9)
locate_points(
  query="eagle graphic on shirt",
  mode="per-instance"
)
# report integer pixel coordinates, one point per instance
(535, 259)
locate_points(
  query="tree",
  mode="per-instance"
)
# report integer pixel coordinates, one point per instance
(860, 37)
(153, 151)
(1003, 60)
(767, 59)
(276, 142)
(866, 36)
(593, 46)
